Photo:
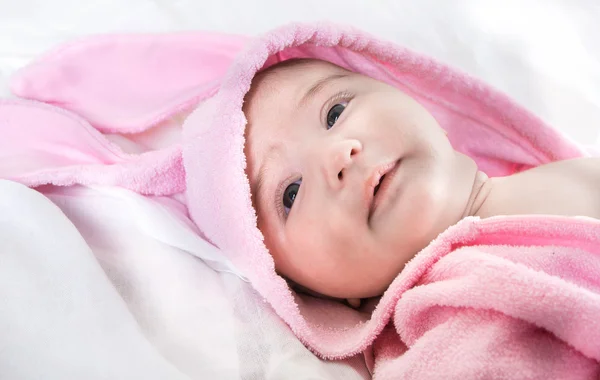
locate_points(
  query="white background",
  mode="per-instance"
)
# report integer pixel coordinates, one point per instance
(544, 53)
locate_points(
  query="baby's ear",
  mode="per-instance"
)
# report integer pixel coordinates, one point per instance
(128, 83)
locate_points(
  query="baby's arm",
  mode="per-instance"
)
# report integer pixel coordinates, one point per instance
(570, 188)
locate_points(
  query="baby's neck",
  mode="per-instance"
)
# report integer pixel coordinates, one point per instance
(562, 188)
(482, 187)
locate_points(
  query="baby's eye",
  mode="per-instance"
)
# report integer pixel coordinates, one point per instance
(289, 195)
(334, 113)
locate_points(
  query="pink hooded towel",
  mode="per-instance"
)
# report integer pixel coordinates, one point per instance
(499, 298)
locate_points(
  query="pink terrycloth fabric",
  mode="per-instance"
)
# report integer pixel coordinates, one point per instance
(507, 298)
(473, 306)
(120, 84)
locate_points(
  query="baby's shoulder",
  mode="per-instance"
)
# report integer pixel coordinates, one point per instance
(569, 188)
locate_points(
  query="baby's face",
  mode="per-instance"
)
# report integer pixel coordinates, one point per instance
(350, 177)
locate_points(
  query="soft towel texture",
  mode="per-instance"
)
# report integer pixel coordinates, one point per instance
(471, 306)
(463, 314)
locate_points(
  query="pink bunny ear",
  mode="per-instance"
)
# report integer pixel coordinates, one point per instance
(42, 144)
(128, 83)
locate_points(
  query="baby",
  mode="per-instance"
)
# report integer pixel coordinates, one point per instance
(351, 178)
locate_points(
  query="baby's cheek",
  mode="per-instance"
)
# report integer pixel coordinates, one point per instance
(317, 242)
(420, 216)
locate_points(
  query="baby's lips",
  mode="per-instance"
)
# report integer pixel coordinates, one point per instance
(372, 182)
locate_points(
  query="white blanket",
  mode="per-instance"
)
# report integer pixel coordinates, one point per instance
(115, 298)
(111, 285)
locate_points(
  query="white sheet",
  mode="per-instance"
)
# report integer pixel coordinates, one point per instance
(131, 299)
(110, 300)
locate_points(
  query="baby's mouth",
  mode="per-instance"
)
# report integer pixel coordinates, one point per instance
(383, 177)
(377, 195)
(378, 185)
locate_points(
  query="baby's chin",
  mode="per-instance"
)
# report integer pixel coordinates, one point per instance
(446, 199)
(370, 288)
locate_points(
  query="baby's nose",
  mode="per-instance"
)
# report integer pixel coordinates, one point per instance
(339, 157)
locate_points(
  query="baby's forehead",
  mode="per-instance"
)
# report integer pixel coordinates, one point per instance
(295, 71)
(298, 66)
(280, 81)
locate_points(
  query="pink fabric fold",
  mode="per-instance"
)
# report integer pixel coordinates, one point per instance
(119, 84)
(484, 310)
(129, 83)
(41, 144)
(497, 298)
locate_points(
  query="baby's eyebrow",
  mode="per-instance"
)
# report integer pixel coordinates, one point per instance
(318, 86)
(256, 190)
